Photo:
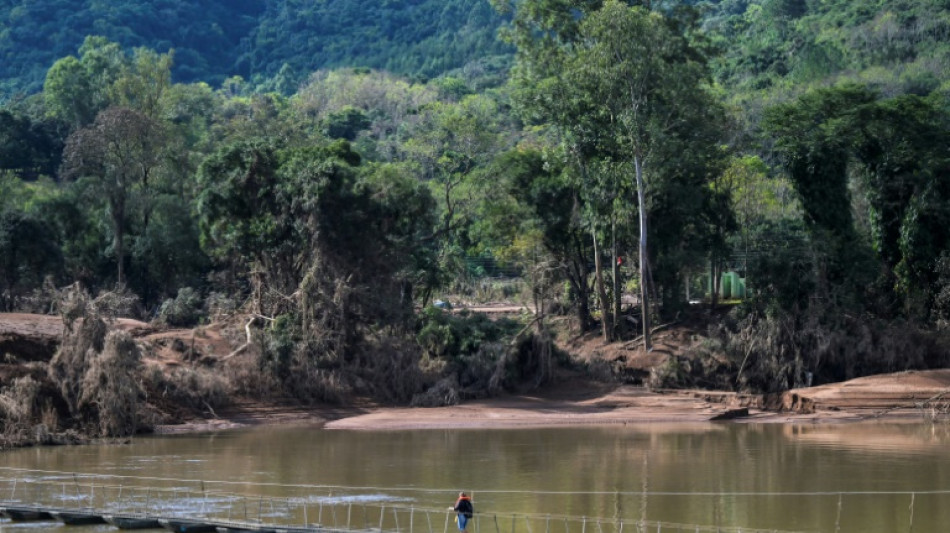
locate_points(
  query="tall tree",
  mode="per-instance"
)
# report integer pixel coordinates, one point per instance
(624, 81)
(450, 146)
(549, 203)
(903, 151)
(898, 149)
(119, 153)
(143, 81)
(814, 139)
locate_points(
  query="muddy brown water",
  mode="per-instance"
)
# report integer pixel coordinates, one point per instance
(868, 477)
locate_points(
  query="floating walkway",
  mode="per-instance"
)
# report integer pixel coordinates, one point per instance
(148, 503)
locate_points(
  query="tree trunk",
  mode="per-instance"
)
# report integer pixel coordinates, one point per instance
(616, 281)
(605, 311)
(118, 224)
(644, 293)
(714, 281)
(578, 271)
(577, 277)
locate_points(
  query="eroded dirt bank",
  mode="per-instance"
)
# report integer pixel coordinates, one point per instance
(571, 400)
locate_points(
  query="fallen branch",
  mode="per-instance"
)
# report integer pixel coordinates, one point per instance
(211, 410)
(917, 405)
(637, 340)
(247, 342)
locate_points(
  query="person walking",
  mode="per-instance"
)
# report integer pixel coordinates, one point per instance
(465, 510)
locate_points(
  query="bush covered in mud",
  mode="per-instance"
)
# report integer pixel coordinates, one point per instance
(486, 356)
(754, 352)
(450, 357)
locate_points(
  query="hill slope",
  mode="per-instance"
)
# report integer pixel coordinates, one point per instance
(899, 46)
(766, 46)
(206, 34)
(215, 39)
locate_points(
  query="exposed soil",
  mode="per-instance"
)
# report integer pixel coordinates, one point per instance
(571, 400)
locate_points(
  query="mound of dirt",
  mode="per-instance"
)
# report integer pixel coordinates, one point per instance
(26, 337)
(903, 393)
(29, 337)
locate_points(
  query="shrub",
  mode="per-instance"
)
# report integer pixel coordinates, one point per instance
(110, 387)
(18, 404)
(182, 311)
(196, 388)
(456, 336)
(120, 302)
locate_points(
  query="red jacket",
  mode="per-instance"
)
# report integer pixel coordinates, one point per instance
(464, 505)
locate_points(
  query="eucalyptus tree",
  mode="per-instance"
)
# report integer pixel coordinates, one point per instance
(623, 83)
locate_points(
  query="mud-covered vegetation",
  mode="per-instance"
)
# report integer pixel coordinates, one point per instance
(635, 157)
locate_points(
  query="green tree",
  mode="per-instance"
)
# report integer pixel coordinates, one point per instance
(239, 211)
(814, 138)
(549, 202)
(76, 90)
(27, 147)
(902, 150)
(449, 148)
(142, 82)
(119, 153)
(29, 253)
(346, 123)
(622, 82)
(898, 148)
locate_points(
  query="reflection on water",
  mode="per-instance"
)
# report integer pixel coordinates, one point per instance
(856, 477)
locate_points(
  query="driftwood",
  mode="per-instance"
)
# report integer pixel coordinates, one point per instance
(918, 405)
(731, 414)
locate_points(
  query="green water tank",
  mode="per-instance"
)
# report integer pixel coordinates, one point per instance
(725, 286)
(738, 286)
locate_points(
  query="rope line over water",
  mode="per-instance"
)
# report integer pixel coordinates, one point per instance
(350, 488)
(72, 492)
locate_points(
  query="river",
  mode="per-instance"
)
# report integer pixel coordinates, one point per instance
(867, 477)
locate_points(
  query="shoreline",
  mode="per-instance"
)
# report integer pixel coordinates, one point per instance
(620, 405)
(572, 400)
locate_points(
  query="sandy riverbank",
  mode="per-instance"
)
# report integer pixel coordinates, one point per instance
(908, 396)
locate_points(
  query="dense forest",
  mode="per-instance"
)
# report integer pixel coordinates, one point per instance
(273, 43)
(330, 168)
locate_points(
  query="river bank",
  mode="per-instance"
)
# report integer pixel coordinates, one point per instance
(905, 396)
(571, 399)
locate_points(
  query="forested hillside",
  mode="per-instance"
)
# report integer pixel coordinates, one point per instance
(763, 44)
(791, 157)
(901, 46)
(217, 39)
(207, 35)
(411, 37)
